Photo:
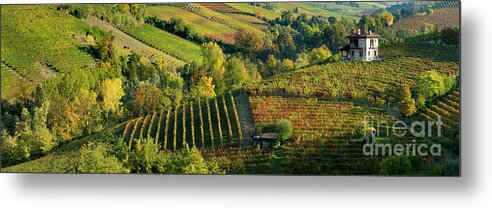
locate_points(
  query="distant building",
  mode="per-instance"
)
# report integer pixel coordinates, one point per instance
(363, 46)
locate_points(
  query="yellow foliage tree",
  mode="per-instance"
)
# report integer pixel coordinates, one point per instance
(112, 92)
(205, 87)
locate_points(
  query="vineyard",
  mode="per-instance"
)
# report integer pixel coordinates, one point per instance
(441, 18)
(446, 4)
(435, 52)
(315, 118)
(201, 25)
(221, 18)
(125, 40)
(38, 50)
(448, 108)
(221, 7)
(12, 81)
(373, 83)
(257, 11)
(166, 42)
(211, 123)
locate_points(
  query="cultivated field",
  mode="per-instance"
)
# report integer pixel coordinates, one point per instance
(313, 118)
(124, 40)
(35, 48)
(176, 46)
(201, 25)
(205, 123)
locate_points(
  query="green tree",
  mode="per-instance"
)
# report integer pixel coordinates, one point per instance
(87, 109)
(105, 49)
(236, 74)
(215, 62)
(396, 166)
(45, 141)
(317, 55)
(190, 161)
(284, 128)
(450, 36)
(147, 158)
(430, 84)
(94, 158)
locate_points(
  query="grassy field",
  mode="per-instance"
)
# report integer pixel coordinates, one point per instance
(201, 25)
(124, 40)
(33, 46)
(167, 42)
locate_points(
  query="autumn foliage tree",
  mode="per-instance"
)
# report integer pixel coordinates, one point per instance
(147, 99)
(205, 88)
(407, 103)
(112, 92)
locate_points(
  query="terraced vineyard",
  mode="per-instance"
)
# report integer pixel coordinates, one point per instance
(446, 4)
(221, 18)
(375, 82)
(36, 48)
(166, 42)
(12, 81)
(212, 123)
(248, 19)
(314, 118)
(434, 52)
(201, 25)
(124, 40)
(315, 157)
(257, 11)
(255, 161)
(448, 108)
(441, 18)
(221, 7)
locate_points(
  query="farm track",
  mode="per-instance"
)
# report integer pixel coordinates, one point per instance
(245, 116)
(126, 40)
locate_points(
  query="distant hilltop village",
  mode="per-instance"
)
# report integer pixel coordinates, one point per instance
(363, 46)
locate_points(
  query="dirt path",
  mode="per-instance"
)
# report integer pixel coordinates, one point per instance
(125, 40)
(245, 117)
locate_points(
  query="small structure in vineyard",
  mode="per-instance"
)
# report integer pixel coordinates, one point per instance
(265, 140)
(364, 46)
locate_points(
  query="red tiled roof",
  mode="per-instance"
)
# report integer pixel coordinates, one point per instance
(363, 34)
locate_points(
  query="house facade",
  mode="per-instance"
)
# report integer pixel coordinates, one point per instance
(364, 46)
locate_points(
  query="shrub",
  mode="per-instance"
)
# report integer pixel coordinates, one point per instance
(282, 127)
(95, 159)
(147, 158)
(397, 165)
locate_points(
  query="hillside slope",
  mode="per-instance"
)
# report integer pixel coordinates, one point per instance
(37, 50)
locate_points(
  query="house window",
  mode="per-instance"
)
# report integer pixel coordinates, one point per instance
(352, 53)
(360, 53)
(369, 53)
(375, 53)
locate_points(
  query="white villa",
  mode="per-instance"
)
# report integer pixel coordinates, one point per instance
(363, 46)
